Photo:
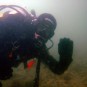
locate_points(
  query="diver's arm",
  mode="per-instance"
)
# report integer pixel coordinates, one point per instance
(65, 48)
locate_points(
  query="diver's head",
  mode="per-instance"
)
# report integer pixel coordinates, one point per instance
(46, 25)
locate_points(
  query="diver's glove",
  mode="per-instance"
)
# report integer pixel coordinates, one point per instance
(65, 49)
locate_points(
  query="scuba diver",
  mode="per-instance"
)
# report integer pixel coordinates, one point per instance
(26, 35)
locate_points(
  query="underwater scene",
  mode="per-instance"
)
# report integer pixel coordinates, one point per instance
(43, 43)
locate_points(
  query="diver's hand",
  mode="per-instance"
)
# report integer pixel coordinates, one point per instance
(65, 47)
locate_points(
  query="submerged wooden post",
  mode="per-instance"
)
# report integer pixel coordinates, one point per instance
(37, 75)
